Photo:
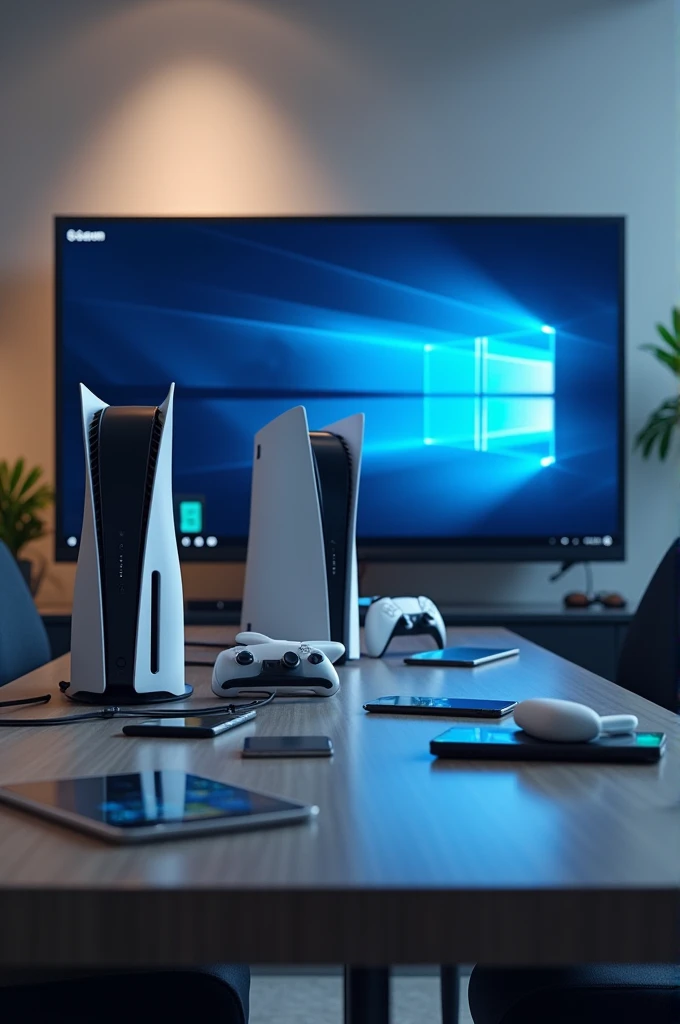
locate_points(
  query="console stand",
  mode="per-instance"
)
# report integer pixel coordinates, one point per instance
(123, 697)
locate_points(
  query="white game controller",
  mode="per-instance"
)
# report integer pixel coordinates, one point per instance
(401, 616)
(281, 666)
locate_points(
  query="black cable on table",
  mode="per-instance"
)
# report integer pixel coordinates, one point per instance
(118, 712)
(44, 699)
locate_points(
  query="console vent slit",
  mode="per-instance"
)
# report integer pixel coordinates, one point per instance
(154, 447)
(93, 447)
(155, 620)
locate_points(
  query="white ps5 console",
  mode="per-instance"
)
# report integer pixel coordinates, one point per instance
(127, 629)
(301, 570)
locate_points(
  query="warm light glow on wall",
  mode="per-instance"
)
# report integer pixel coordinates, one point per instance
(196, 138)
(170, 106)
(153, 107)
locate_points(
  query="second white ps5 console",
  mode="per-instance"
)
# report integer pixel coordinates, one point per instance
(301, 569)
(127, 628)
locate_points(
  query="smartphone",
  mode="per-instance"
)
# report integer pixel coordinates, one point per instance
(188, 728)
(506, 744)
(461, 656)
(462, 707)
(287, 746)
(151, 805)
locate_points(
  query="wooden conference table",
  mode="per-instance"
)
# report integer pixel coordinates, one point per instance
(410, 860)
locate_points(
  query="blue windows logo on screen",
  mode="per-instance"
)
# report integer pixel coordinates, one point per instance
(493, 393)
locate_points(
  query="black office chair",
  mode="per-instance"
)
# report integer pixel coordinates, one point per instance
(218, 993)
(24, 645)
(649, 663)
(589, 994)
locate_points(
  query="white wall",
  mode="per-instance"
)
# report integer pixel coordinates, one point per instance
(460, 106)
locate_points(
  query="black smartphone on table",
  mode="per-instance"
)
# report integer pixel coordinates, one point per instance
(460, 657)
(287, 746)
(190, 727)
(463, 707)
(504, 744)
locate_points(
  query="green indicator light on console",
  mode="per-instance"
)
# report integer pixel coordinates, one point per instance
(190, 517)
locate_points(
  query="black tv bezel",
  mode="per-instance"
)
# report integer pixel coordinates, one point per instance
(408, 549)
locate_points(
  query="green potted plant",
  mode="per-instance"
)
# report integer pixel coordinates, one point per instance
(657, 432)
(22, 497)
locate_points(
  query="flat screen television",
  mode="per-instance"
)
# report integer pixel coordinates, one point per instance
(486, 353)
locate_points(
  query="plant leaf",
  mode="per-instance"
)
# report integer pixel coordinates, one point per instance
(22, 497)
(646, 451)
(647, 437)
(665, 441)
(650, 438)
(671, 360)
(31, 478)
(670, 339)
(16, 474)
(658, 429)
(676, 321)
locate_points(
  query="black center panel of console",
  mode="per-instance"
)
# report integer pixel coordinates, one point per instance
(127, 446)
(333, 468)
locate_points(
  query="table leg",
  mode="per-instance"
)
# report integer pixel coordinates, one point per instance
(450, 992)
(367, 995)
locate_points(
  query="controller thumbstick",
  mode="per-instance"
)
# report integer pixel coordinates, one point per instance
(244, 658)
(315, 658)
(290, 659)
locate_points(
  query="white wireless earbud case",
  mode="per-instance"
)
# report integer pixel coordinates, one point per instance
(566, 721)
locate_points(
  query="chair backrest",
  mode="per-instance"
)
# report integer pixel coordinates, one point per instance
(23, 639)
(649, 663)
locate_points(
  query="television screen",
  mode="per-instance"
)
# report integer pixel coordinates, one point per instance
(485, 352)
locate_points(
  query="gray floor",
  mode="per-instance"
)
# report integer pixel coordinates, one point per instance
(317, 999)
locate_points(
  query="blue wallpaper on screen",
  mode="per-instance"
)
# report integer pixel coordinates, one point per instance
(484, 354)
